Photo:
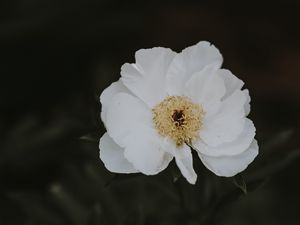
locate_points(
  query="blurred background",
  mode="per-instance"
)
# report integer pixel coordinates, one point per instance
(57, 56)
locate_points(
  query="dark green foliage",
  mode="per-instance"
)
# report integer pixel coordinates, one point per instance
(55, 177)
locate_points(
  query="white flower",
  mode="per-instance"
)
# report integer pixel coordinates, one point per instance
(166, 103)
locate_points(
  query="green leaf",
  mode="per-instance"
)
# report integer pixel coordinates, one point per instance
(278, 140)
(121, 177)
(89, 138)
(274, 165)
(95, 215)
(239, 182)
(76, 212)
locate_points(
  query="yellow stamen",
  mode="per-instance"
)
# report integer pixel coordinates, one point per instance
(178, 118)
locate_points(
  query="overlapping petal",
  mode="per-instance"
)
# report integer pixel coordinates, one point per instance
(231, 82)
(239, 145)
(112, 155)
(146, 78)
(107, 95)
(191, 60)
(227, 123)
(228, 166)
(145, 150)
(125, 113)
(206, 88)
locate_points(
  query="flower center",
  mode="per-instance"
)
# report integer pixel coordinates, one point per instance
(178, 118)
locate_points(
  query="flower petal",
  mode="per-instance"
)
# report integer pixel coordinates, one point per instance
(108, 94)
(189, 61)
(146, 78)
(247, 104)
(124, 114)
(232, 83)
(206, 88)
(184, 161)
(145, 150)
(227, 123)
(239, 145)
(228, 166)
(112, 155)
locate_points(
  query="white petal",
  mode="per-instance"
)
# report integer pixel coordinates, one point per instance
(189, 61)
(228, 123)
(247, 104)
(107, 95)
(145, 150)
(232, 83)
(124, 114)
(147, 78)
(239, 145)
(112, 155)
(229, 166)
(206, 88)
(184, 161)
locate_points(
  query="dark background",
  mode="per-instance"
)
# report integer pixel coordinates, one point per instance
(57, 56)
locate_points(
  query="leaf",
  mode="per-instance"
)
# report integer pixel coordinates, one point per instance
(76, 212)
(36, 207)
(174, 172)
(121, 177)
(224, 201)
(254, 185)
(278, 140)
(239, 182)
(275, 165)
(89, 138)
(95, 215)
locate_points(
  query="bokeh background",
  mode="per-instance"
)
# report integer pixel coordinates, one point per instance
(57, 56)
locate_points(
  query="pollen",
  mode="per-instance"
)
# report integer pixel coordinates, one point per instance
(178, 118)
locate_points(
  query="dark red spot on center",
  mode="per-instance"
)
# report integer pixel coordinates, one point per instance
(178, 117)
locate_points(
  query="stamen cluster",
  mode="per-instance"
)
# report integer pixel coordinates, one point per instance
(178, 118)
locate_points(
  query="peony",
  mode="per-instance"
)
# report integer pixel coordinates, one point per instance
(167, 104)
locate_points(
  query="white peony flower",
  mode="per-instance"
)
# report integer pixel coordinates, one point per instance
(166, 103)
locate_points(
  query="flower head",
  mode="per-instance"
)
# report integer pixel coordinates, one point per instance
(166, 102)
